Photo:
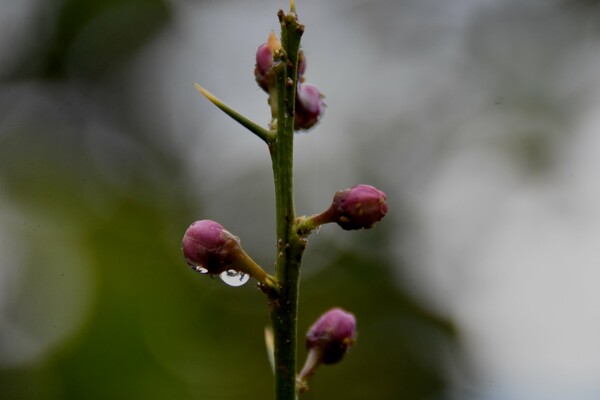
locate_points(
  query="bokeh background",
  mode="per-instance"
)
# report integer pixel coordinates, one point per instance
(480, 120)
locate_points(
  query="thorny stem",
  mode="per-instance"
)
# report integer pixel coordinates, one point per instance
(290, 246)
(283, 291)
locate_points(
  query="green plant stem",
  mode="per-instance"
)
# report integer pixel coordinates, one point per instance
(290, 246)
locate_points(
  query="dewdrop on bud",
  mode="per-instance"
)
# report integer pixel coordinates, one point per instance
(263, 72)
(309, 106)
(210, 249)
(327, 342)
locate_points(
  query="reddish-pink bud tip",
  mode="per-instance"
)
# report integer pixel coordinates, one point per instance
(309, 106)
(210, 247)
(359, 207)
(332, 335)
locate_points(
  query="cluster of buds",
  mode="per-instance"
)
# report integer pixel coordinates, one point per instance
(327, 342)
(309, 106)
(211, 249)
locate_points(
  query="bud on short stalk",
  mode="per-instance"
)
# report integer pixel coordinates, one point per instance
(327, 341)
(359, 207)
(211, 249)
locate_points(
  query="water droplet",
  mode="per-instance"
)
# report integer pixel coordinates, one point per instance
(234, 278)
(200, 269)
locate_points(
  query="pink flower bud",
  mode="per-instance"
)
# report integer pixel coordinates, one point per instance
(210, 247)
(264, 58)
(264, 62)
(327, 341)
(332, 335)
(309, 106)
(359, 207)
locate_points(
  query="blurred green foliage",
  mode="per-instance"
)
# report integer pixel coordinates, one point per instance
(100, 227)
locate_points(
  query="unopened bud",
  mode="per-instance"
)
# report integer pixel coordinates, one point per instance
(332, 335)
(211, 249)
(359, 207)
(309, 106)
(206, 244)
(327, 341)
(263, 72)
